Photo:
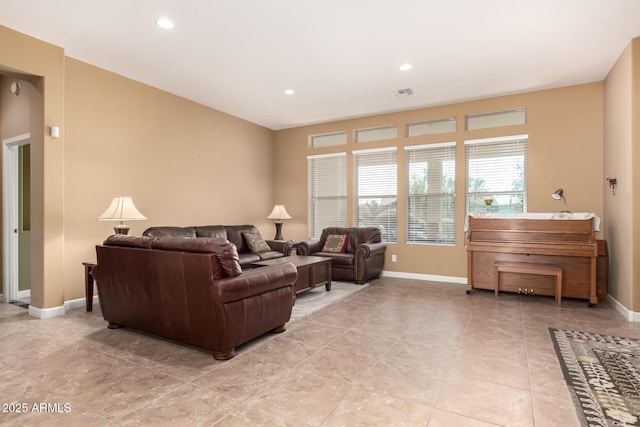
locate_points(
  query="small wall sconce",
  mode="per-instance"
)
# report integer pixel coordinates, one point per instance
(55, 132)
(612, 184)
(15, 88)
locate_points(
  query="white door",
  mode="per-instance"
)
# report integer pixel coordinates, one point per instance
(10, 225)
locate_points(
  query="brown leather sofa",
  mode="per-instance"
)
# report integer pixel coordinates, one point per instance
(363, 258)
(191, 290)
(233, 233)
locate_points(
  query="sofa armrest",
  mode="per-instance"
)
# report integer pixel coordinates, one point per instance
(366, 250)
(309, 247)
(254, 282)
(284, 246)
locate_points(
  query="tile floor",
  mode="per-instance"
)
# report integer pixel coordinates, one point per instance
(399, 353)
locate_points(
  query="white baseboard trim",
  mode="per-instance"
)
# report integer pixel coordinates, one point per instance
(631, 316)
(46, 313)
(74, 303)
(430, 277)
(24, 294)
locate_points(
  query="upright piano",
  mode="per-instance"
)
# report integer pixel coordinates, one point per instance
(565, 240)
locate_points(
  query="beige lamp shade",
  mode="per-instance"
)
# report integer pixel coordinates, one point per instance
(122, 209)
(279, 213)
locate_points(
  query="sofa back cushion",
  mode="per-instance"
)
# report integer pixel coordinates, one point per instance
(225, 251)
(211, 231)
(129, 241)
(357, 235)
(166, 231)
(234, 234)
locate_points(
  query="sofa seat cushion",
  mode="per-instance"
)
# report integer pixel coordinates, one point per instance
(247, 258)
(338, 258)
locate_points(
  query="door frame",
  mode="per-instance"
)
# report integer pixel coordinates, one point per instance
(10, 214)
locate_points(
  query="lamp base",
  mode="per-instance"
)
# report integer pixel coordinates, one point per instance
(121, 229)
(278, 231)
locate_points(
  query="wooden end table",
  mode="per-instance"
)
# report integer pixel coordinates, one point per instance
(88, 283)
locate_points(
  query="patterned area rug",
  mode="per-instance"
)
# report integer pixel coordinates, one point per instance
(603, 375)
(317, 298)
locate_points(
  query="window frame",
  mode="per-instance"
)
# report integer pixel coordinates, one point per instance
(317, 222)
(445, 234)
(492, 147)
(390, 228)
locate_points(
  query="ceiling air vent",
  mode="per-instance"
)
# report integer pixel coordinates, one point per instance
(402, 92)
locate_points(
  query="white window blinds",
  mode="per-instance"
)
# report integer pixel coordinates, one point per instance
(431, 198)
(327, 189)
(496, 174)
(376, 184)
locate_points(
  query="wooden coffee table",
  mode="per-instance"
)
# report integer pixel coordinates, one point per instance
(312, 271)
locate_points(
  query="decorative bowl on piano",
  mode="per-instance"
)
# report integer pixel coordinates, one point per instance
(488, 201)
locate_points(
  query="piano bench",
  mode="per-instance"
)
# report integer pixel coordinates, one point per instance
(531, 268)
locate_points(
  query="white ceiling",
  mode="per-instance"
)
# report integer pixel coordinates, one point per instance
(342, 57)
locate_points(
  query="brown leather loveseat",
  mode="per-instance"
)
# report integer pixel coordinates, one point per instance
(191, 290)
(363, 256)
(236, 234)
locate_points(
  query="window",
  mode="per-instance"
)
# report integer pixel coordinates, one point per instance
(501, 118)
(376, 134)
(327, 181)
(376, 187)
(497, 174)
(431, 193)
(328, 139)
(432, 127)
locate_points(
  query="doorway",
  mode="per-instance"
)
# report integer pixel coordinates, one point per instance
(16, 225)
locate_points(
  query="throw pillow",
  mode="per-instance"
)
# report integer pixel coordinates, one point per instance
(256, 243)
(229, 259)
(336, 243)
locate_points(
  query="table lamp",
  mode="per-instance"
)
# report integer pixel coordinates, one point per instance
(559, 195)
(122, 209)
(279, 213)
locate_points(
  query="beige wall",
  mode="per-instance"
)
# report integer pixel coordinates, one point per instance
(621, 161)
(618, 164)
(42, 64)
(183, 163)
(565, 128)
(19, 115)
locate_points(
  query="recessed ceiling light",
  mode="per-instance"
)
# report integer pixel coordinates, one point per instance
(165, 23)
(405, 67)
(289, 92)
